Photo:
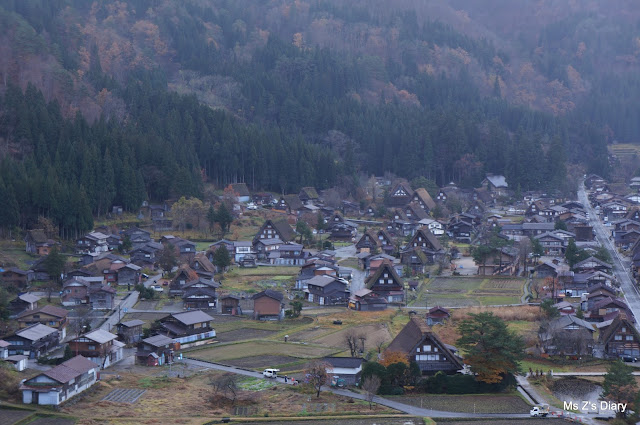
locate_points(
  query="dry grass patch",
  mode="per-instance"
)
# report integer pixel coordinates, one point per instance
(260, 348)
(374, 334)
(515, 313)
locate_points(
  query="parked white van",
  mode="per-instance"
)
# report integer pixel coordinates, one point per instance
(270, 373)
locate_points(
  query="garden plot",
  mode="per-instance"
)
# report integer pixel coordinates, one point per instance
(124, 395)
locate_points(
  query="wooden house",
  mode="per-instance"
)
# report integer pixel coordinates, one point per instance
(400, 195)
(327, 290)
(60, 383)
(241, 191)
(423, 199)
(200, 294)
(49, 315)
(290, 203)
(368, 243)
(130, 331)
(230, 304)
(386, 283)
(203, 266)
(23, 303)
(437, 315)
(620, 340)
(184, 275)
(425, 348)
(95, 242)
(156, 350)
(188, 327)
(568, 336)
(308, 194)
(99, 346)
(365, 300)
(279, 229)
(16, 277)
(33, 341)
(138, 237)
(38, 243)
(268, 304)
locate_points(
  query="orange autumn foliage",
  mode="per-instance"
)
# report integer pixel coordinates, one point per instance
(391, 357)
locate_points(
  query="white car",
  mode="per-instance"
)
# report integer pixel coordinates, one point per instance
(252, 207)
(156, 288)
(270, 373)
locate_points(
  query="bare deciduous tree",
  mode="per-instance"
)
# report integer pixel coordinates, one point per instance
(226, 386)
(371, 385)
(355, 341)
(317, 375)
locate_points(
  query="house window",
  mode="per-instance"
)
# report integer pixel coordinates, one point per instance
(381, 281)
(629, 338)
(623, 330)
(618, 337)
(427, 348)
(91, 347)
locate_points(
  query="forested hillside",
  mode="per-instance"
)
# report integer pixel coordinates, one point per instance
(111, 102)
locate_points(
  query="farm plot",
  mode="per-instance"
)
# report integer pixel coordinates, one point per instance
(309, 334)
(225, 353)
(374, 334)
(484, 403)
(470, 291)
(245, 334)
(282, 362)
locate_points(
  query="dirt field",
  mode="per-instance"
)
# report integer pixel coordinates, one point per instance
(225, 353)
(490, 403)
(309, 334)
(244, 334)
(375, 334)
(261, 362)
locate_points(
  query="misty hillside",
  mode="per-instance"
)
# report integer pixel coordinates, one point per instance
(158, 97)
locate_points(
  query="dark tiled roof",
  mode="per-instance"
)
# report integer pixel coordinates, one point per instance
(345, 362)
(278, 296)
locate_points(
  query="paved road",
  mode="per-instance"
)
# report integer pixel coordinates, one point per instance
(126, 304)
(411, 410)
(620, 265)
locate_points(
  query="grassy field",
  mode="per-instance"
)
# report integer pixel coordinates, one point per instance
(227, 352)
(13, 254)
(469, 291)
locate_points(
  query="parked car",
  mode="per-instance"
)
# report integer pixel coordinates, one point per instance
(270, 373)
(156, 288)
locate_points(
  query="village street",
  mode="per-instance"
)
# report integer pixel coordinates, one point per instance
(620, 265)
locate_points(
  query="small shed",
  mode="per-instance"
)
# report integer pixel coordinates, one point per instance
(230, 304)
(19, 361)
(347, 368)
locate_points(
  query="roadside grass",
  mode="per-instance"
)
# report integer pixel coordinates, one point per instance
(255, 384)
